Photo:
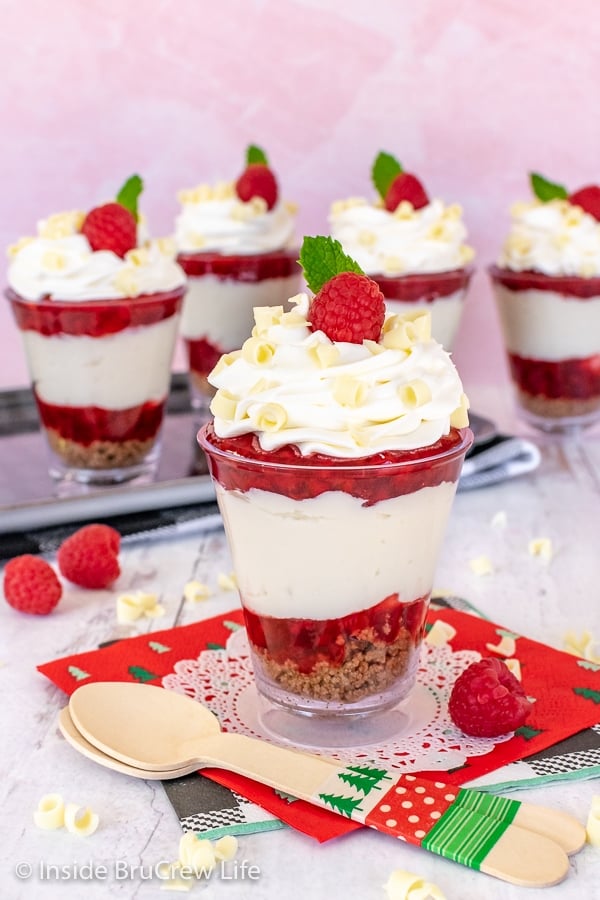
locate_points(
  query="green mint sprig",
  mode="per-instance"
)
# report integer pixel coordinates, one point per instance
(322, 258)
(385, 168)
(129, 193)
(546, 190)
(255, 155)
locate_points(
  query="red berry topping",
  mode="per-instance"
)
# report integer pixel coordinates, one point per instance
(588, 198)
(111, 227)
(257, 180)
(487, 700)
(405, 187)
(349, 307)
(31, 585)
(89, 557)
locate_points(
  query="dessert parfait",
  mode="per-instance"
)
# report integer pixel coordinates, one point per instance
(412, 246)
(336, 447)
(547, 288)
(98, 309)
(235, 243)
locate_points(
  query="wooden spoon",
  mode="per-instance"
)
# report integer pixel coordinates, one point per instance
(76, 739)
(153, 729)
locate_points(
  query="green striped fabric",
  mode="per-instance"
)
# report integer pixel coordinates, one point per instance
(488, 805)
(464, 836)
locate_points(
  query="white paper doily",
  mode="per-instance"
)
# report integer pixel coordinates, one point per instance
(428, 740)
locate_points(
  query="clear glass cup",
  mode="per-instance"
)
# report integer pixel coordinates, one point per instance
(551, 330)
(100, 373)
(441, 293)
(334, 560)
(218, 310)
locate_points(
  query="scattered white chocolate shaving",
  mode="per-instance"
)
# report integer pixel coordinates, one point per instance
(440, 633)
(584, 646)
(50, 813)
(226, 847)
(506, 647)
(481, 565)
(541, 547)
(403, 885)
(133, 606)
(80, 820)
(196, 854)
(592, 828)
(499, 519)
(227, 582)
(195, 591)
(514, 666)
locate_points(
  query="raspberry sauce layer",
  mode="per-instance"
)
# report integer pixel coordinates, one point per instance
(240, 464)
(574, 286)
(251, 268)
(306, 643)
(573, 379)
(202, 355)
(94, 318)
(86, 424)
(423, 288)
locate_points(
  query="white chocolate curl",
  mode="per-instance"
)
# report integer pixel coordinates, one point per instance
(80, 820)
(403, 885)
(592, 830)
(292, 385)
(50, 813)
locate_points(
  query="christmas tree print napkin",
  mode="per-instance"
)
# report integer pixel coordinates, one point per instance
(566, 690)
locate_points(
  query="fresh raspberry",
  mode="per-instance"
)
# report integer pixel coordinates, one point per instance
(89, 557)
(31, 585)
(110, 227)
(487, 700)
(257, 180)
(405, 187)
(349, 307)
(588, 198)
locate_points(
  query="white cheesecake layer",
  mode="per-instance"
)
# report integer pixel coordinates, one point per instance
(445, 315)
(548, 325)
(221, 310)
(116, 371)
(329, 556)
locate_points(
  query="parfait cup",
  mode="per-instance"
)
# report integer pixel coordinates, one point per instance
(442, 294)
(217, 315)
(335, 561)
(100, 373)
(551, 330)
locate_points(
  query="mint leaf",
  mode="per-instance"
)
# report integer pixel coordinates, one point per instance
(546, 190)
(255, 154)
(129, 193)
(322, 258)
(385, 169)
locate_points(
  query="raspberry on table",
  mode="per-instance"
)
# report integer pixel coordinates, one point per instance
(487, 700)
(31, 585)
(111, 227)
(89, 557)
(349, 307)
(257, 180)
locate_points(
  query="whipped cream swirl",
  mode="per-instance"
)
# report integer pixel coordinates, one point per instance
(403, 242)
(555, 238)
(59, 264)
(291, 385)
(214, 220)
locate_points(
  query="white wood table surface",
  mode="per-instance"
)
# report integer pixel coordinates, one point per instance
(138, 827)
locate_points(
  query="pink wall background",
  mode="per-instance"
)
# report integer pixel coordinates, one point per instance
(470, 95)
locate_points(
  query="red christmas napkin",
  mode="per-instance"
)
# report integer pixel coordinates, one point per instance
(566, 690)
